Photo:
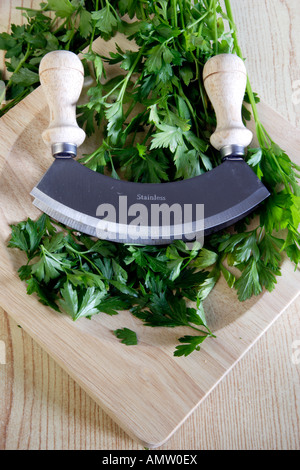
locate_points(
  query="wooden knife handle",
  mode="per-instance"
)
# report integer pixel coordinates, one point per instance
(225, 79)
(61, 77)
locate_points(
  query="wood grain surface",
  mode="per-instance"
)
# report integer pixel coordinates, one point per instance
(256, 405)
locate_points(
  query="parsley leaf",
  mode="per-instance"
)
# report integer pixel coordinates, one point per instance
(105, 19)
(192, 343)
(45, 296)
(27, 236)
(127, 336)
(248, 283)
(78, 304)
(62, 8)
(169, 136)
(205, 259)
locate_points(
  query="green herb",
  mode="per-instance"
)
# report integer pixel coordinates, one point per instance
(27, 44)
(156, 121)
(127, 336)
(73, 273)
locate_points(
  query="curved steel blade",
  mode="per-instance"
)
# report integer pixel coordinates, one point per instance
(82, 199)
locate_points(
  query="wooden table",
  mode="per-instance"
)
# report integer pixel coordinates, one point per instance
(256, 406)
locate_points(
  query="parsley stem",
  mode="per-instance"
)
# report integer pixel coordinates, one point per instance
(125, 80)
(143, 11)
(60, 27)
(111, 7)
(148, 134)
(181, 93)
(85, 257)
(205, 333)
(73, 32)
(22, 61)
(130, 108)
(261, 233)
(215, 26)
(261, 133)
(94, 28)
(196, 22)
(240, 54)
(131, 71)
(13, 102)
(182, 8)
(50, 255)
(175, 12)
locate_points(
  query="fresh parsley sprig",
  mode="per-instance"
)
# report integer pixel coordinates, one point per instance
(56, 25)
(73, 273)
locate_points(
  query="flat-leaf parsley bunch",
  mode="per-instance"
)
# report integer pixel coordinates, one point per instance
(156, 120)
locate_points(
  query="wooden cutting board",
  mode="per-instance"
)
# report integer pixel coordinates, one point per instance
(144, 388)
